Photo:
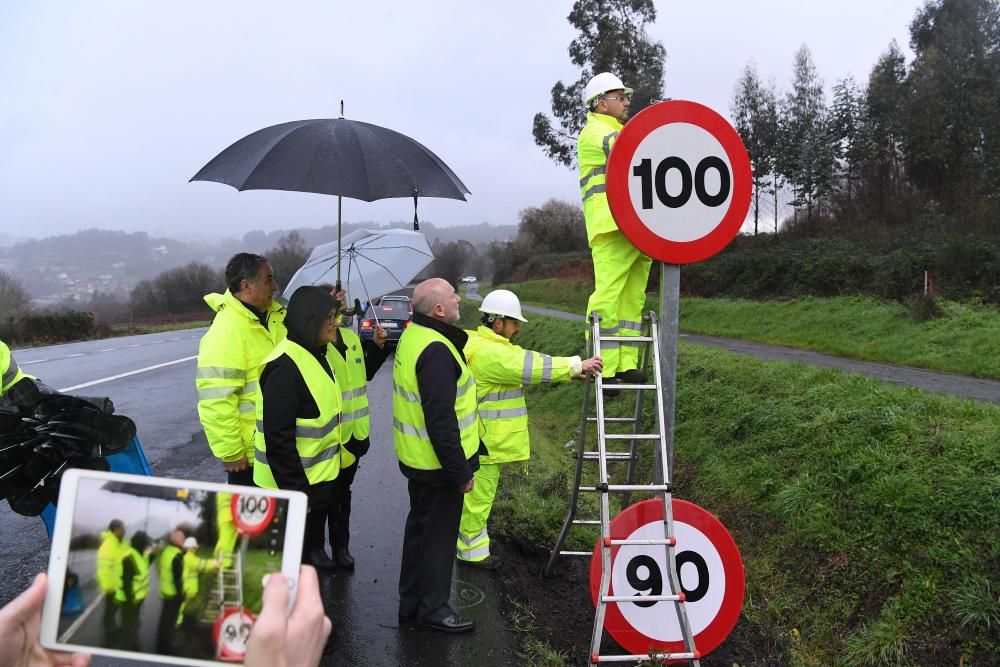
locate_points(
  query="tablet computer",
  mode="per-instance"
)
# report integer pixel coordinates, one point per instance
(165, 569)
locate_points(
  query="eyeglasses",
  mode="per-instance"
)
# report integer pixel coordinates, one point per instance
(620, 98)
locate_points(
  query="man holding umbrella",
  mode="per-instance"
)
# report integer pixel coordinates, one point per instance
(248, 324)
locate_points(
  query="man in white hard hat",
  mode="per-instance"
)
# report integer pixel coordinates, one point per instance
(620, 270)
(501, 370)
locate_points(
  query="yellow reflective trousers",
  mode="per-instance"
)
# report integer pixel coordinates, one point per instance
(473, 539)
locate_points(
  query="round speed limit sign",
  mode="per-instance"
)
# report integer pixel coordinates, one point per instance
(232, 632)
(252, 514)
(710, 571)
(679, 182)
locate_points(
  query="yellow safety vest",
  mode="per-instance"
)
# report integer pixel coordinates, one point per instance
(193, 567)
(9, 370)
(317, 440)
(409, 431)
(140, 582)
(592, 150)
(165, 568)
(353, 381)
(229, 362)
(501, 369)
(109, 563)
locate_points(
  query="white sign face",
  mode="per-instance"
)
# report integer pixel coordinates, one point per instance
(680, 182)
(253, 513)
(234, 633)
(641, 570)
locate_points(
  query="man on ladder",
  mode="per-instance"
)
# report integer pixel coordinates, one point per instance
(620, 270)
(501, 369)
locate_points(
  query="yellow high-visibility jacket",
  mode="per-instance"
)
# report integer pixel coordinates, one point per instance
(351, 376)
(140, 582)
(193, 567)
(229, 364)
(592, 150)
(410, 437)
(501, 369)
(9, 370)
(109, 563)
(317, 440)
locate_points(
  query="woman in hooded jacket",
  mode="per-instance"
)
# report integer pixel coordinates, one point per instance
(299, 412)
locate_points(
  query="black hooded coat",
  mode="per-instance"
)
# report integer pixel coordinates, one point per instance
(284, 391)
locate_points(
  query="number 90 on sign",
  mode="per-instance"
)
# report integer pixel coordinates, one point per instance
(710, 572)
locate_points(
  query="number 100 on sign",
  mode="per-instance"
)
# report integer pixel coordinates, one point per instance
(681, 183)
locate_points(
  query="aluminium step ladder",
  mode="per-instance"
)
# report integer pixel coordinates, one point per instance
(228, 589)
(649, 338)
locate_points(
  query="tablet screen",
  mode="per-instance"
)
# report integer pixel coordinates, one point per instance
(169, 570)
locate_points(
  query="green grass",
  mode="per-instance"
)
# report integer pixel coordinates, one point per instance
(134, 329)
(965, 340)
(866, 513)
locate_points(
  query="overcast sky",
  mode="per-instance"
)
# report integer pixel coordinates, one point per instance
(110, 107)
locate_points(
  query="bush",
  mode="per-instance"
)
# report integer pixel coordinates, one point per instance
(49, 327)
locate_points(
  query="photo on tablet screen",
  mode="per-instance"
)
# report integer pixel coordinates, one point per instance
(168, 570)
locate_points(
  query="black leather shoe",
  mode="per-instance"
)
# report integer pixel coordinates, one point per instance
(453, 623)
(633, 376)
(407, 618)
(609, 387)
(344, 559)
(319, 560)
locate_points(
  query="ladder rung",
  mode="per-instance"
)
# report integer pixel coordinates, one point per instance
(587, 522)
(613, 419)
(661, 657)
(575, 553)
(631, 436)
(631, 386)
(629, 339)
(645, 543)
(642, 598)
(610, 456)
(622, 488)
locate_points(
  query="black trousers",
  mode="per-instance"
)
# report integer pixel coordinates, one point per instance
(168, 623)
(319, 505)
(241, 477)
(429, 543)
(339, 515)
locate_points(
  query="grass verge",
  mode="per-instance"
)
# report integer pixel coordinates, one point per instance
(964, 338)
(866, 513)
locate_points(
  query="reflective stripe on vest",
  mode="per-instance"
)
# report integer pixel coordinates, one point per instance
(529, 362)
(317, 440)
(409, 430)
(595, 180)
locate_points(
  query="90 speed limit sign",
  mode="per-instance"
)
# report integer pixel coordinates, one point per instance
(710, 571)
(679, 182)
(252, 514)
(231, 633)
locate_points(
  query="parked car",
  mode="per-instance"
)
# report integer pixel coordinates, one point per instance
(396, 297)
(468, 279)
(392, 314)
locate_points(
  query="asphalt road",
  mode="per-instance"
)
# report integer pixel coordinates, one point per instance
(151, 379)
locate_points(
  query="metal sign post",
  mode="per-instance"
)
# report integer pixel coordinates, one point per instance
(670, 299)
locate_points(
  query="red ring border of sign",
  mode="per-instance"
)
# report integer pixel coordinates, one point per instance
(252, 530)
(224, 653)
(620, 201)
(716, 632)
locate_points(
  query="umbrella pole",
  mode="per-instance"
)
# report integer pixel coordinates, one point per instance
(339, 202)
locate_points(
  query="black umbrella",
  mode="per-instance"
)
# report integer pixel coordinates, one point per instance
(335, 156)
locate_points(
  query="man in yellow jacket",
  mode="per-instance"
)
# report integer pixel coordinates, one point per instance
(620, 270)
(109, 575)
(10, 373)
(248, 324)
(501, 370)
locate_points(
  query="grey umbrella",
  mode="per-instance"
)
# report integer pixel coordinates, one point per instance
(335, 156)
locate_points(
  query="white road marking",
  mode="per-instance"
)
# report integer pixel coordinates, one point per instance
(36, 361)
(78, 622)
(122, 375)
(68, 356)
(135, 345)
(108, 349)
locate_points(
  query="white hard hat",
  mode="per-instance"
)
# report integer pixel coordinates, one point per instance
(602, 83)
(190, 543)
(502, 302)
